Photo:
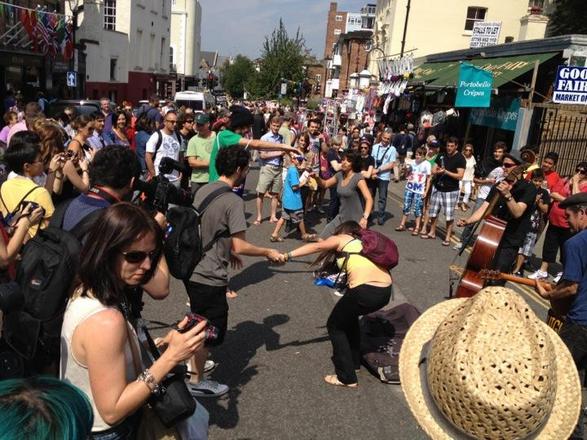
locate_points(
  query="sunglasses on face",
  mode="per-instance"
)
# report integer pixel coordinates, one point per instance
(509, 165)
(171, 121)
(468, 149)
(581, 171)
(135, 257)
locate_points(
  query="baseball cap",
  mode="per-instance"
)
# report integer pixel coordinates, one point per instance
(202, 118)
(574, 200)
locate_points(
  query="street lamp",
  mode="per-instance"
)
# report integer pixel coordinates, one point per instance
(74, 7)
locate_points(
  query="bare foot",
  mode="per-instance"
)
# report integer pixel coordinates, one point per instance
(231, 294)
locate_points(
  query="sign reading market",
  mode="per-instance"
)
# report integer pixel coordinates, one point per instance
(570, 86)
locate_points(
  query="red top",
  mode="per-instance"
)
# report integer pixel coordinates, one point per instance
(552, 178)
(556, 217)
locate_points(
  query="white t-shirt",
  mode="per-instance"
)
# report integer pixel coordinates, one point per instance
(170, 147)
(417, 178)
(470, 169)
(496, 174)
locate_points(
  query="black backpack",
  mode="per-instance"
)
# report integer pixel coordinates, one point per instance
(183, 245)
(45, 277)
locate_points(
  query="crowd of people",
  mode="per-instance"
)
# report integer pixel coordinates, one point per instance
(87, 174)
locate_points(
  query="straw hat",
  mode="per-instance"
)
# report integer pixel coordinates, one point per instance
(486, 367)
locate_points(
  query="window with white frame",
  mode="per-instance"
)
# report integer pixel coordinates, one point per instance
(110, 15)
(474, 14)
(339, 18)
(337, 32)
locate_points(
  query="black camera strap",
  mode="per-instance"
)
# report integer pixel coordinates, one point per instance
(103, 195)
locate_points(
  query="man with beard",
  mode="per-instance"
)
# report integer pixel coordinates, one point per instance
(223, 227)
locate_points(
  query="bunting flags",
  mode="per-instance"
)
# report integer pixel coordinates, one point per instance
(49, 33)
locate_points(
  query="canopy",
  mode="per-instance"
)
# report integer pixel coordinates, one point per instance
(504, 69)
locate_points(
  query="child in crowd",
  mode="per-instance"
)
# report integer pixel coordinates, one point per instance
(293, 209)
(537, 221)
(418, 180)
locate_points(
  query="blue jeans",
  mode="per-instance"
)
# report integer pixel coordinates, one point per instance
(334, 204)
(575, 338)
(381, 188)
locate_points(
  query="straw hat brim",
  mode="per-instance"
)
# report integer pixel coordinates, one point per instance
(567, 404)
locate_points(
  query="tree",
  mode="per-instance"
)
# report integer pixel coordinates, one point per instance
(568, 18)
(236, 76)
(282, 59)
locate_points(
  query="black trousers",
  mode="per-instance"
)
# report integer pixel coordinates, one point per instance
(554, 239)
(343, 327)
(333, 204)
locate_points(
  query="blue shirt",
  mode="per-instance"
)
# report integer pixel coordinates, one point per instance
(292, 199)
(79, 208)
(383, 155)
(276, 139)
(575, 271)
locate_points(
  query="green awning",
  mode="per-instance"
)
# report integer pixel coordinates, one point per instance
(504, 69)
(429, 71)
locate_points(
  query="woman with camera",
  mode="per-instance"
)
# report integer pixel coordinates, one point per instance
(121, 252)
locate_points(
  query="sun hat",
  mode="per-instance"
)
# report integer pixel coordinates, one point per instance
(486, 367)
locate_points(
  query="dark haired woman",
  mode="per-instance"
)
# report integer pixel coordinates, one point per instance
(118, 134)
(121, 252)
(349, 184)
(369, 289)
(145, 127)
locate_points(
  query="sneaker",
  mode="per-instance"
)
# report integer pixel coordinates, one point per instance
(209, 365)
(207, 388)
(458, 246)
(538, 275)
(558, 277)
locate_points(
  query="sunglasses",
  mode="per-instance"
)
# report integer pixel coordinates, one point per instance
(509, 165)
(581, 171)
(189, 121)
(135, 257)
(468, 149)
(170, 121)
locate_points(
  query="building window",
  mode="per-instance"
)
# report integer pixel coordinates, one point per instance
(337, 32)
(171, 63)
(113, 69)
(339, 18)
(162, 57)
(110, 15)
(474, 14)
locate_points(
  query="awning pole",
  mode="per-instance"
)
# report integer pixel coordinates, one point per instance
(533, 84)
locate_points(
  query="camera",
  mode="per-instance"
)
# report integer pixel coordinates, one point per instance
(194, 319)
(160, 192)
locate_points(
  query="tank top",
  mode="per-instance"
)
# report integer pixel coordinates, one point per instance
(73, 371)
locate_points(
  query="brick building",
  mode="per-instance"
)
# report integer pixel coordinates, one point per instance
(345, 54)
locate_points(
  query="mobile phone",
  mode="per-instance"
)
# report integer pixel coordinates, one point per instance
(193, 320)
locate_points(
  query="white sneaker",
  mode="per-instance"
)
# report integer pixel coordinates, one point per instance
(558, 277)
(207, 388)
(209, 365)
(538, 275)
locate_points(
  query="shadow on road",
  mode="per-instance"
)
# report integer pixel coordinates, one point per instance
(234, 357)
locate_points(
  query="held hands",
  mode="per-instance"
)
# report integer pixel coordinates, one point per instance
(182, 346)
(275, 256)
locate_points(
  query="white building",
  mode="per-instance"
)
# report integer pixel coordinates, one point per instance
(186, 20)
(126, 47)
(434, 27)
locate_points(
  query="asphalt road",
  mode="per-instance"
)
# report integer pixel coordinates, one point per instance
(277, 350)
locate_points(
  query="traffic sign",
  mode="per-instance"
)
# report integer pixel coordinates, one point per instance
(71, 79)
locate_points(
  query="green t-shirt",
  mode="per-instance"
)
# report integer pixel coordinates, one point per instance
(286, 134)
(202, 148)
(224, 139)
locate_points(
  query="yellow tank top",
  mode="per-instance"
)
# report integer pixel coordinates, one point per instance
(355, 262)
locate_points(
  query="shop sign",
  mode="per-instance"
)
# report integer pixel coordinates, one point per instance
(474, 86)
(570, 86)
(502, 114)
(485, 33)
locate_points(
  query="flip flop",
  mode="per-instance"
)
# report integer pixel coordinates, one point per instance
(331, 379)
(446, 243)
(309, 238)
(427, 237)
(415, 233)
(257, 222)
(275, 239)
(400, 228)
(273, 220)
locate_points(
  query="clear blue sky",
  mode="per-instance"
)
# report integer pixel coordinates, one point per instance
(239, 26)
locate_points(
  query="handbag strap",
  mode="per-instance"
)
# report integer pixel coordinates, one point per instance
(134, 351)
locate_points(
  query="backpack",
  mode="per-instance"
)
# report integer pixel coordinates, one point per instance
(45, 275)
(378, 248)
(382, 336)
(183, 244)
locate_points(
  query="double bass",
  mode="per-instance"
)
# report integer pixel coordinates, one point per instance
(489, 238)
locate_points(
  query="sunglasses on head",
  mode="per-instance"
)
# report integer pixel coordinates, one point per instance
(135, 257)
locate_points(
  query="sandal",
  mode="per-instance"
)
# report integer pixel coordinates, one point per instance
(446, 243)
(427, 237)
(275, 239)
(400, 228)
(309, 238)
(331, 379)
(257, 222)
(415, 233)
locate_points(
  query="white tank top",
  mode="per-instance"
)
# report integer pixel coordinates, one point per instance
(73, 371)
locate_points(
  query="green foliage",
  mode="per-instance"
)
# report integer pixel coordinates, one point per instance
(313, 104)
(237, 77)
(568, 18)
(282, 58)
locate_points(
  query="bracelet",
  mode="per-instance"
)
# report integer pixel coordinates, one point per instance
(149, 380)
(288, 256)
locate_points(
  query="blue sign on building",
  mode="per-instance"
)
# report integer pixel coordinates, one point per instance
(474, 86)
(570, 85)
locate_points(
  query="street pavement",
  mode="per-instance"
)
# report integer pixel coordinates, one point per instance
(277, 351)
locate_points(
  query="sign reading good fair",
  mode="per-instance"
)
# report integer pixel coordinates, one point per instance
(570, 86)
(485, 33)
(474, 86)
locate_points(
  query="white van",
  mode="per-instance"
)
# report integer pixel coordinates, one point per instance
(198, 101)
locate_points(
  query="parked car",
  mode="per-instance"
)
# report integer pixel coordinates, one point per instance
(82, 107)
(198, 101)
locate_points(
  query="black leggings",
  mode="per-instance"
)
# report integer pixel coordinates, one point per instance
(343, 327)
(554, 239)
